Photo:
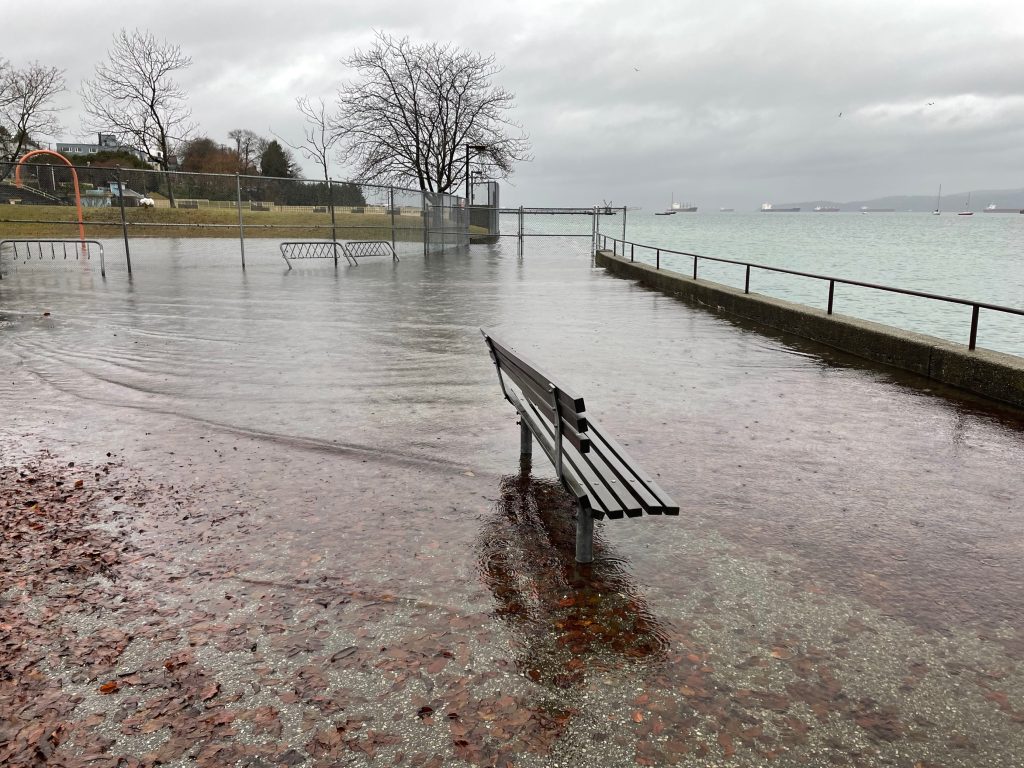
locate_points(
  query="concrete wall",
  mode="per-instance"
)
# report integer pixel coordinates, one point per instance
(991, 374)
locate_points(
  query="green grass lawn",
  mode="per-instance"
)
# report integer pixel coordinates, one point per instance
(59, 222)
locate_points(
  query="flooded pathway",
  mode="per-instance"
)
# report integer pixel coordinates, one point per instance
(842, 586)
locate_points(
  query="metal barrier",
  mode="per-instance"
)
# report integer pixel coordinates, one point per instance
(82, 251)
(359, 248)
(976, 306)
(327, 249)
(312, 249)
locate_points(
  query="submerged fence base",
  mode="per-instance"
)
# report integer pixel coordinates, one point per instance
(991, 374)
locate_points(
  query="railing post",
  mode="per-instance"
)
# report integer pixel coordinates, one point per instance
(746, 283)
(241, 227)
(623, 223)
(831, 294)
(632, 250)
(657, 259)
(520, 230)
(124, 221)
(694, 267)
(974, 327)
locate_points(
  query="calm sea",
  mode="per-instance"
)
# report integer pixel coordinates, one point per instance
(978, 257)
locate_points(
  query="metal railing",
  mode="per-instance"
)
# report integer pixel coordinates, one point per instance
(620, 247)
(56, 250)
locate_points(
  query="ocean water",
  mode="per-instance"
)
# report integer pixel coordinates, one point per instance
(979, 258)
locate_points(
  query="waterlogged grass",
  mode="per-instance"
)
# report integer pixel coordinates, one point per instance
(58, 222)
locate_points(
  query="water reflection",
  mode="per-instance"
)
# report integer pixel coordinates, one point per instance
(569, 619)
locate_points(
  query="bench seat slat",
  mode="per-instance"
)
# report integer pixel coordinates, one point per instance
(580, 480)
(618, 463)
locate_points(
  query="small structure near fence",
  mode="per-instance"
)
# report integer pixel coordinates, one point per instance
(329, 249)
(27, 251)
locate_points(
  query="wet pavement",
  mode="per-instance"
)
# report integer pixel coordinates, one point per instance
(842, 586)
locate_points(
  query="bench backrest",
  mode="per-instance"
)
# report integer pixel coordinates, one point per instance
(564, 409)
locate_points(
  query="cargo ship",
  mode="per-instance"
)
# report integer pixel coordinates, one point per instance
(769, 208)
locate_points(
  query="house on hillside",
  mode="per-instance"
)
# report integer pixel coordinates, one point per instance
(105, 142)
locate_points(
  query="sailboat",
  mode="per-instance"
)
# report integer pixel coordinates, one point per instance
(967, 207)
(938, 209)
(672, 210)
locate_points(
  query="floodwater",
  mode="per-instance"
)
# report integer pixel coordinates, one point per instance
(843, 584)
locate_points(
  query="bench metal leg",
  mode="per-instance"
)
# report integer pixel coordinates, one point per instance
(525, 439)
(584, 535)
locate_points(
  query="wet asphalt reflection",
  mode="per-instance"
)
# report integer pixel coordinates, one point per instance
(849, 543)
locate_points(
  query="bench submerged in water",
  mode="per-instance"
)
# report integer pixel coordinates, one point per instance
(595, 469)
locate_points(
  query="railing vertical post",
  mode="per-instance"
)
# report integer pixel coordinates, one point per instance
(623, 222)
(746, 283)
(124, 221)
(241, 226)
(831, 294)
(657, 259)
(694, 267)
(632, 250)
(974, 327)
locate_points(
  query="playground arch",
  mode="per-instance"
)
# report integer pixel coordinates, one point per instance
(74, 176)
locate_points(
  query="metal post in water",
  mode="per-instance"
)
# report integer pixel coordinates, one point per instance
(584, 535)
(124, 221)
(525, 439)
(391, 205)
(520, 230)
(334, 230)
(241, 227)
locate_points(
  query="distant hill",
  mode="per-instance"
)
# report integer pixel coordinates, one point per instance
(953, 201)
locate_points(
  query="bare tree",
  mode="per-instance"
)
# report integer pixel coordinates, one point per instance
(321, 134)
(416, 111)
(250, 147)
(26, 109)
(135, 97)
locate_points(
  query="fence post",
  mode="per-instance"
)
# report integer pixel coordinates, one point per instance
(694, 267)
(623, 222)
(334, 223)
(520, 230)
(746, 283)
(124, 221)
(657, 262)
(391, 206)
(831, 293)
(974, 327)
(426, 231)
(241, 228)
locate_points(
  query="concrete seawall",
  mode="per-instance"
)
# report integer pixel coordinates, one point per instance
(991, 374)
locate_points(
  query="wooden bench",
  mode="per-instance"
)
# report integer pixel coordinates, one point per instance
(592, 467)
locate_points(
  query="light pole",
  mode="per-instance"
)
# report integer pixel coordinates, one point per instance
(476, 148)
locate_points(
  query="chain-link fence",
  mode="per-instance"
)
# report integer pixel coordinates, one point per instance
(45, 201)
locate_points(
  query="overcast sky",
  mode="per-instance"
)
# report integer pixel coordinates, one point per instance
(719, 103)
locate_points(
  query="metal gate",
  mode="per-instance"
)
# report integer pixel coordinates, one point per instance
(578, 228)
